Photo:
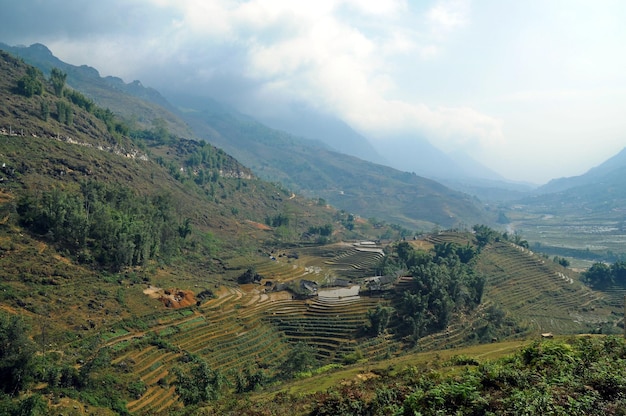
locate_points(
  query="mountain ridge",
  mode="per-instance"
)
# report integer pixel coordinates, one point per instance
(278, 156)
(606, 168)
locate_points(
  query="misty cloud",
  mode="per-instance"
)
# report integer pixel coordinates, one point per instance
(447, 70)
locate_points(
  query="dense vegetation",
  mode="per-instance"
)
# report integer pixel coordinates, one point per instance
(444, 282)
(601, 275)
(104, 225)
(581, 376)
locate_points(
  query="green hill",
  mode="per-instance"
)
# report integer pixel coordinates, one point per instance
(349, 183)
(309, 168)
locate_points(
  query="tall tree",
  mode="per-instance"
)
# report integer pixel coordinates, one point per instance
(16, 355)
(30, 83)
(57, 79)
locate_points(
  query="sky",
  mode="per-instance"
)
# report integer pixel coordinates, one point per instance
(533, 89)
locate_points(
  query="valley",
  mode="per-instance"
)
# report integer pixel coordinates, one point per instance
(142, 272)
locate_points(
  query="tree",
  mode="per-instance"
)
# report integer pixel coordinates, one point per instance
(16, 355)
(379, 319)
(618, 271)
(63, 110)
(561, 260)
(199, 383)
(599, 275)
(249, 276)
(160, 132)
(30, 84)
(484, 235)
(57, 79)
(299, 359)
(45, 110)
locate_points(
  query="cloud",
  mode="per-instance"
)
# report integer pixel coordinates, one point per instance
(448, 15)
(339, 56)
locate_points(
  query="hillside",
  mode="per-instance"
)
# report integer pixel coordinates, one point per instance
(598, 174)
(141, 272)
(348, 183)
(600, 191)
(137, 105)
(302, 165)
(580, 217)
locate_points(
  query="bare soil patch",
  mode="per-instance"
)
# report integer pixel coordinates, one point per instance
(171, 298)
(259, 226)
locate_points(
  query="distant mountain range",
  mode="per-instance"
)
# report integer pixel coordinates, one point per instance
(456, 170)
(320, 156)
(303, 162)
(609, 171)
(601, 190)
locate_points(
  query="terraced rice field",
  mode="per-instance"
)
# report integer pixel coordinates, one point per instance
(536, 290)
(330, 325)
(246, 326)
(243, 327)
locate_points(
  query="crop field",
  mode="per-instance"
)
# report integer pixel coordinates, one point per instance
(249, 326)
(242, 328)
(542, 293)
(582, 240)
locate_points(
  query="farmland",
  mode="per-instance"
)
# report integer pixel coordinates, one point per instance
(254, 327)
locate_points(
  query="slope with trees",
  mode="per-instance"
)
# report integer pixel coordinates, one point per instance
(302, 165)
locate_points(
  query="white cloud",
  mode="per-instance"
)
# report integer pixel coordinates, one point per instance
(500, 76)
(338, 55)
(447, 15)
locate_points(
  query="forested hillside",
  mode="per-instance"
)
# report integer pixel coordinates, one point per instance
(301, 165)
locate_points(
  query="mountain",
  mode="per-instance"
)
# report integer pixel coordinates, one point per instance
(137, 104)
(144, 273)
(484, 183)
(346, 182)
(304, 165)
(302, 121)
(600, 191)
(417, 154)
(611, 168)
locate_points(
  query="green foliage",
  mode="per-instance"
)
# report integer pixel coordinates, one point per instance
(484, 235)
(301, 358)
(80, 100)
(65, 113)
(443, 283)
(250, 380)
(137, 388)
(57, 79)
(197, 383)
(465, 253)
(323, 230)
(561, 260)
(599, 275)
(16, 355)
(278, 220)
(583, 376)
(249, 276)
(379, 319)
(347, 401)
(108, 226)
(30, 84)
(160, 132)
(32, 405)
(45, 110)
(353, 357)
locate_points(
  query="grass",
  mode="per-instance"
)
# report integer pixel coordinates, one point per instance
(326, 380)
